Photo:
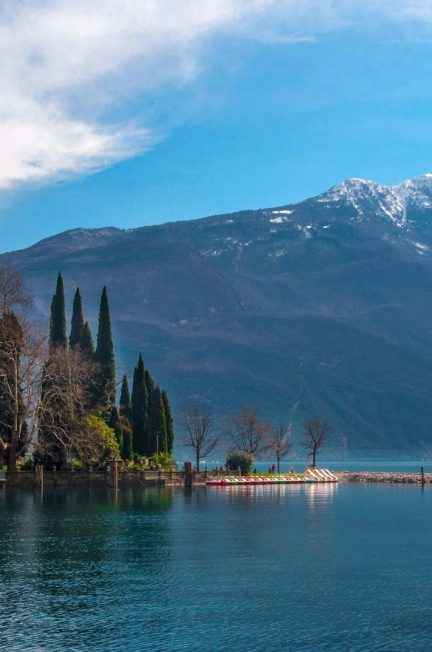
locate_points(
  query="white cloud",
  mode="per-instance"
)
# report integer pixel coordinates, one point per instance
(64, 64)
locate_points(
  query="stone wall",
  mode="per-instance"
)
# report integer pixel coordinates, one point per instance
(28, 479)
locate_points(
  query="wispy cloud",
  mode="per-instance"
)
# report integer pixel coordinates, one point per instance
(64, 66)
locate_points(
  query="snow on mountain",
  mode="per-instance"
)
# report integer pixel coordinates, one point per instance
(369, 198)
(416, 192)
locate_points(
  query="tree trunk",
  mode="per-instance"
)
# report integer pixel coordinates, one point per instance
(197, 461)
(278, 464)
(313, 457)
(11, 460)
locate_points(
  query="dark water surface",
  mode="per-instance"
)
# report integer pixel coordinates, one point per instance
(317, 568)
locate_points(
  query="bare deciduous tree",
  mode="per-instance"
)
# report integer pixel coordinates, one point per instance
(247, 432)
(280, 444)
(66, 397)
(315, 433)
(200, 430)
(22, 357)
(12, 290)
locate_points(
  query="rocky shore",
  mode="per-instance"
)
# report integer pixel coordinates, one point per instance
(384, 476)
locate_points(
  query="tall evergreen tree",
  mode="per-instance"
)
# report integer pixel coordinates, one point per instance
(58, 335)
(169, 421)
(86, 341)
(104, 354)
(150, 384)
(140, 410)
(127, 448)
(115, 423)
(77, 322)
(157, 439)
(125, 400)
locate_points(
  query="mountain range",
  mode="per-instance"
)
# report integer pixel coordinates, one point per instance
(323, 307)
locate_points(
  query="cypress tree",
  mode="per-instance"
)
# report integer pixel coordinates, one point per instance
(157, 425)
(169, 421)
(77, 322)
(86, 341)
(150, 384)
(126, 420)
(104, 354)
(140, 410)
(115, 423)
(127, 447)
(125, 401)
(58, 335)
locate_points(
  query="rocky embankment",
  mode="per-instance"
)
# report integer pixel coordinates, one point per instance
(384, 476)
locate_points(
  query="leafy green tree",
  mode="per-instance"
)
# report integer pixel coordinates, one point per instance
(86, 341)
(77, 322)
(100, 439)
(169, 421)
(240, 459)
(58, 335)
(140, 410)
(104, 354)
(157, 426)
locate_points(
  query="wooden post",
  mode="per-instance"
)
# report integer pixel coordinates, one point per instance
(422, 475)
(113, 474)
(40, 476)
(188, 474)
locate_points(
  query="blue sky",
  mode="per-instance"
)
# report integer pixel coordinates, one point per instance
(132, 113)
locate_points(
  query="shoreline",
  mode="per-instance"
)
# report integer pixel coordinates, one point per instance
(384, 476)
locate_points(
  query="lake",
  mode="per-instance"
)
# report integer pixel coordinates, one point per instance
(318, 568)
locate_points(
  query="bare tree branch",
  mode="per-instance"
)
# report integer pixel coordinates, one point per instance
(247, 432)
(12, 290)
(315, 433)
(200, 429)
(280, 443)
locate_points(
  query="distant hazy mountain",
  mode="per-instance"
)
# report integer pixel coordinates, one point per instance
(322, 307)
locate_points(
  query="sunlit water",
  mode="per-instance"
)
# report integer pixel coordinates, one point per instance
(317, 568)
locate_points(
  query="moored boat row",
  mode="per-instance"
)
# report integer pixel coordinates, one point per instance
(310, 476)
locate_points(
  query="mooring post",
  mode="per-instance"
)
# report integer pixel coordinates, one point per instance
(40, 475)
(113, 474)
(422, 475)
(188, 474)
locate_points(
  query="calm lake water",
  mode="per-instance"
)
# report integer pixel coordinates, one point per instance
(317, 568)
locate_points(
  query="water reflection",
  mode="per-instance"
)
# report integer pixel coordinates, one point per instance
(317, 494)
(320, 494)
(261, 568)
(67, 551)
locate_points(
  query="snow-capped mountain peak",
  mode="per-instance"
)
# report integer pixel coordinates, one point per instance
(372, 199)
(416, 192)
(368, 198)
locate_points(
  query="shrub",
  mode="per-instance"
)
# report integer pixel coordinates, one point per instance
(240, 459)
(162, 462)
